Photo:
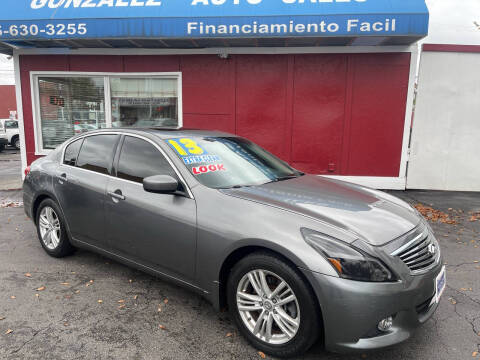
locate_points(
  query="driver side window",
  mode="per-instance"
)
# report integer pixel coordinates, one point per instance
(140, 159)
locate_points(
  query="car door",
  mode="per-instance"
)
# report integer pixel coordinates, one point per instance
(156, 230)
(80, 186)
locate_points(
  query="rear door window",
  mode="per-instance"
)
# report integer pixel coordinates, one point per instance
(140, 159)
(71, 152)
(97, 153)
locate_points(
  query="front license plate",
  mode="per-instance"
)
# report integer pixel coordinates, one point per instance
(440, 284)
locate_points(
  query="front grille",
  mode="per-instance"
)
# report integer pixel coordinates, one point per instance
(420, 253)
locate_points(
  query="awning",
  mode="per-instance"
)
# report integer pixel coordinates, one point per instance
(209, 23)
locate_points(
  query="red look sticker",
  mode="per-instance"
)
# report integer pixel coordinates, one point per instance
(198, 170)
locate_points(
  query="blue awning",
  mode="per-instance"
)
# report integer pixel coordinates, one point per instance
(205, 23)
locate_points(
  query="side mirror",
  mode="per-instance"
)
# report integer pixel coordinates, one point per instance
(162, 184)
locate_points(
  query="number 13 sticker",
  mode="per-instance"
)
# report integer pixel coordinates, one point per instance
(186, 147)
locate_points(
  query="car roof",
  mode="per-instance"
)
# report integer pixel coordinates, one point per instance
(169, 133)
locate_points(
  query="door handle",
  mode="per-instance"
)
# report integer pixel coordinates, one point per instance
(117, 195)
(62, 178)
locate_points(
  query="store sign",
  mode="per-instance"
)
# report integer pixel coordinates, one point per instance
(84, 19)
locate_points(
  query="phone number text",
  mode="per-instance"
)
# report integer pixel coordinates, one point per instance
(49, 30)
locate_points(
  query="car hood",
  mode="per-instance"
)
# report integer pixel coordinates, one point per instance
(371, 215)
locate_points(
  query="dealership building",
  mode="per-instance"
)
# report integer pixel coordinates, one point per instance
(327, 86)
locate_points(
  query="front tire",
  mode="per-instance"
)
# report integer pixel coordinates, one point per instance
(52, 231)
(272, 305)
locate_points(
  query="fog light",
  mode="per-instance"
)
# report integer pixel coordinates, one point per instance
(386, 324)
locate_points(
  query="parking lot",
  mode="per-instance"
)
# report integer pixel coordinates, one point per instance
(10, 169)
(88, 307)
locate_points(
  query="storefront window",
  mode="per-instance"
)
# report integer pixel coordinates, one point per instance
(144, 102)
(69, 106)
(75, 103)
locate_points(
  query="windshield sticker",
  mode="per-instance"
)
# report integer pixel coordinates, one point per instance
(186, 147)
(201, 159)
(199, 170)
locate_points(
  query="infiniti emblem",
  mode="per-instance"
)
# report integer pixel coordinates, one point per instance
(431, 249)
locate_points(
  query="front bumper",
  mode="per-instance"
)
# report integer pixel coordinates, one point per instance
(351, 309)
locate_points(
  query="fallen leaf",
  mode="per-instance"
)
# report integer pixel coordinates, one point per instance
(262, 355)
(135, 297)
(100, 301)
(77, 291)
(463, 289)
(453, 301)
(475, 262)
(37, 295)
(2, 318)
(474, 354)
(68, 296)
(65, 283)
(162, 327)
(159, 309)
(13, 297)
(41, 288)
(229, 334)
(130, 281)
(121, 307)
(121, 301)
(9, 331)
(28, 275)
(65, 324)
(165, 301)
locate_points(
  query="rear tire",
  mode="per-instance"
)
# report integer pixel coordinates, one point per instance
(16, 142)
(51, 230)
(290, 319)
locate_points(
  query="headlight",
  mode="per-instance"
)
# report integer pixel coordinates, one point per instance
(349, 262)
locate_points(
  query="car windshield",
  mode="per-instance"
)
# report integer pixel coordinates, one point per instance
(229, 162)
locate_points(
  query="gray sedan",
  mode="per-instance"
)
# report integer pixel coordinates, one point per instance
(294, 257)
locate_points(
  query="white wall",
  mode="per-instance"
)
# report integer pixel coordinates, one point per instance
(445, 149)
(6, 71)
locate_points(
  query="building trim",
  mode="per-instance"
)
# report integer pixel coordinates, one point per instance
(451, 48)
(21, 123)
(408, 114)
(220, 51)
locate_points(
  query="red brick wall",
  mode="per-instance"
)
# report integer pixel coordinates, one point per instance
(7, 100)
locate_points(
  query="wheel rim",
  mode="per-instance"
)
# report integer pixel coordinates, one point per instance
(49, 227)
(268, 307)
(17, 144)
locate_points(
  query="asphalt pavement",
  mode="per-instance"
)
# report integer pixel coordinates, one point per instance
(88, 307)
(10, 169)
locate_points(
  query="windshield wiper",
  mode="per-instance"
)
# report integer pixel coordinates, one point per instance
(286, 177)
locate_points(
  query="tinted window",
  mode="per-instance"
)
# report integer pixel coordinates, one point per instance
(11, 124)
(140, 159)
(97, 153)
(71, 152)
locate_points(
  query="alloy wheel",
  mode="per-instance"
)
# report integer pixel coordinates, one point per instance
(268, 307)
(49, 227)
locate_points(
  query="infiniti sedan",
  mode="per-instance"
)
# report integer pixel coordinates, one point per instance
(294, 257)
